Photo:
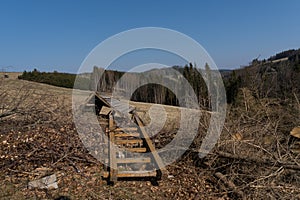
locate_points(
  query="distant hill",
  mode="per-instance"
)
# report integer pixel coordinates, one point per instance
(275, 77)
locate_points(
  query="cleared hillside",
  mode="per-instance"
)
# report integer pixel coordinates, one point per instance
(255, 157)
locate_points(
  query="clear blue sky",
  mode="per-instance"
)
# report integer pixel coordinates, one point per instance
(58, 34)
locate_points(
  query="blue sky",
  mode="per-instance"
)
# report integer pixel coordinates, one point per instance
(59, 34)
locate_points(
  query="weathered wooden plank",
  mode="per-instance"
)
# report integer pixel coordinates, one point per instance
(127, 135)
(102, 99)
(130, 141)
(137, 150)
(125, 174)
(133, 160)
(156, 157)
(112, 152)
(89, 99)
(105, 110)
(126, 129)
(134, 150)
(103, 123)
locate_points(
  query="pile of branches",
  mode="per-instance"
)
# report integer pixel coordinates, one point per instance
(256, 157)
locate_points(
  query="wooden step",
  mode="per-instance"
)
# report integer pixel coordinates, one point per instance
(126, 129)
(133, 141)
(127, 135)
(136, 150)
(130, 160)
(133, 160)
(124, 174)
(103, 122)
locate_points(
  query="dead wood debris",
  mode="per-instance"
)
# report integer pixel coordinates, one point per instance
(252, 160)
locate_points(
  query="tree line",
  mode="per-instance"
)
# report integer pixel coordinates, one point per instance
(102, 80)
(264, 79)
(150, 86)
(55, 78)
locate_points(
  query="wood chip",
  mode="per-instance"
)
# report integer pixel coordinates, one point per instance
(296, 132)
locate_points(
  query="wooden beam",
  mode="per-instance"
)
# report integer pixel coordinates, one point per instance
(125, 129)
(127, 135)
(112, 153)
(129, 141)
(102, 99)
(156, 157)
(129, 174)
(137, 150)
(134, 150)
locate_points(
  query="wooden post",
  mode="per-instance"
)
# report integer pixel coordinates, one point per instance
(112, 153)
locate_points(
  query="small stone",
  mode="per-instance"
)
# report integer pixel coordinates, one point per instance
(48, 182)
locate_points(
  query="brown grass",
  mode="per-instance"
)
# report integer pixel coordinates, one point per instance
(11, 75)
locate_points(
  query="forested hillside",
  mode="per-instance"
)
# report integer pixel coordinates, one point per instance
(55, 78)
(275, 77)
(138, 85)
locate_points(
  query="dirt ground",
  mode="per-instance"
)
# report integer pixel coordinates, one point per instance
(255, 158)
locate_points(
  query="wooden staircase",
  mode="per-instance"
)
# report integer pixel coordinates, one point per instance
(131, 153)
